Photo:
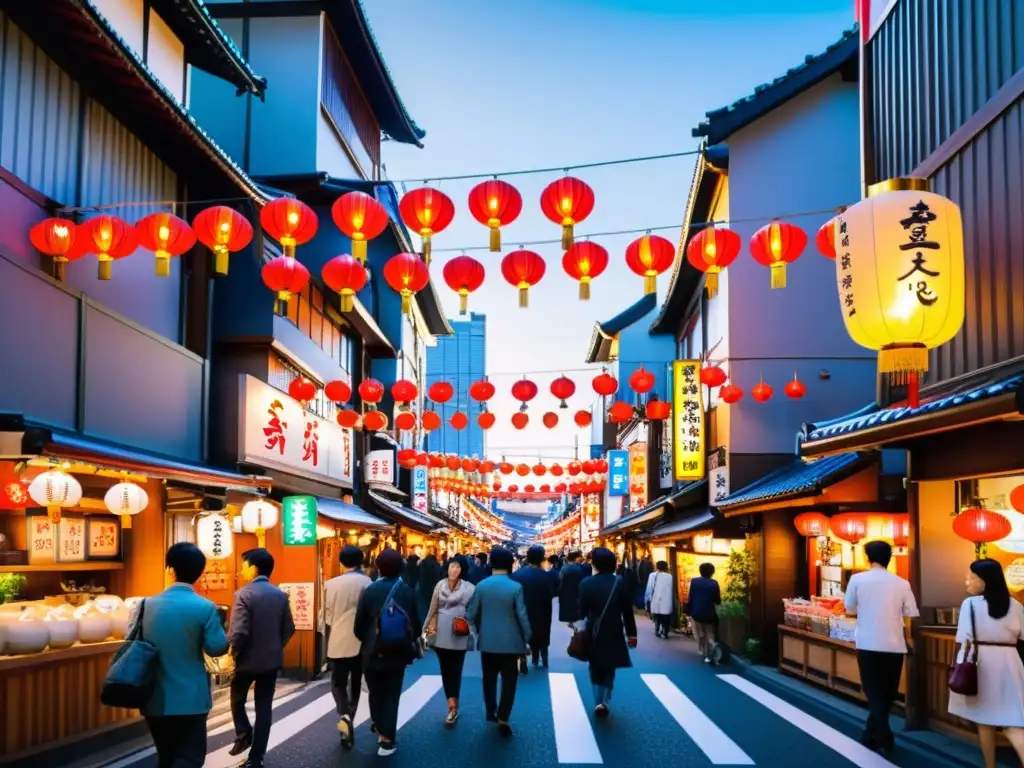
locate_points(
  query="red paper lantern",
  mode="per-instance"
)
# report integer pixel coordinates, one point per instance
(557, 470)
(435, 461)
(495, 204)
(520, 420)
(360, 218)
(506, 468)
(337, 392)
(658, 410)
(453, 462)
(901, 530)
(648, 257)
(775, 245)
(567, 201)
(522, 469)
(582, 418)
(289, 221)
(513, 489)
(346, 276)
(563, 388)
(711, 250)
(730, 393)
(545, 488)
(302, 389)
(486, 466)
(641, 381)
(405, 421)
(529, 488)
(561, 488)
(620, 412)
(762, 392)
(849, 526)
(375, 421)
(481, 391)
(404, 391)
(60, 240)
(825, 239)
(486, 420)
(459, 420)
(795, 389)
(588, 467)
(981, 526)
(224, 231)
(600, 465)
(523, 269)
(427, 212)
(811, 524)
(407, 275)
(605, 384)
(348, 418)
(583, 262)
(430, 421)
(285, 277)
(576, 488)
(539, 469)
(470, 465)
(165, 235)
(440, 392)
(524, 391)
(422, 459)
(407, 457)
(550, 420)
(712, 376)
(497, 486)
(574, 468)
(1017, 498)
(110, 238)
(371, 391)
(464, 274)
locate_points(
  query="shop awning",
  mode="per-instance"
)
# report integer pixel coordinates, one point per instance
(684, 525)
(686, 496)
(795, 480)
(37, 440)
(388, 489)
(404, 515)
(342, 512)
(991, 395)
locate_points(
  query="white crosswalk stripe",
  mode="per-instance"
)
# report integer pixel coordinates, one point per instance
(849, 748)
(719, 748)
(574, 735)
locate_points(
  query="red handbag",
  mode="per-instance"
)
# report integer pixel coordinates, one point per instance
(963, 675)
(460, 626)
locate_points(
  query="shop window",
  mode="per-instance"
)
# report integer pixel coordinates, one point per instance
(282, 373)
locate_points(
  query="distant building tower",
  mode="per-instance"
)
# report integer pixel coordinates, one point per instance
(460, 360)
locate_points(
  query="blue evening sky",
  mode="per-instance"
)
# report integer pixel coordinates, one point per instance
(537, 83)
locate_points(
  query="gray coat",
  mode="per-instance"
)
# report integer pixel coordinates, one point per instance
(498, 612)
(261, 626)
(445, 606)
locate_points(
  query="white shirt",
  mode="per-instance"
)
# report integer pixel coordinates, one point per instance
(881, 601)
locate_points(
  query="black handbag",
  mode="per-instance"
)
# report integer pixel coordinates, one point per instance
(581, 642)
(132, 674)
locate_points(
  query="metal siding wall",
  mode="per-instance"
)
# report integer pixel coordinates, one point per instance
(934, 63)
(39, 116)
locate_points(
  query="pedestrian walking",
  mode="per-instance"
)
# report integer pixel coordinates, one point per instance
(611, 623)
(573, 572)
(261, 626)
(702, 600)
(498, 611)
(881, 601)
(538, 592)
(411, 572)
(182, 626)
(658, 598)
(478, 570)
(448, 630)
(554, 567)
(387, 624)
(341, 599)
(429, 575)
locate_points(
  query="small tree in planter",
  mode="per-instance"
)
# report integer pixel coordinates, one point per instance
(732, 614)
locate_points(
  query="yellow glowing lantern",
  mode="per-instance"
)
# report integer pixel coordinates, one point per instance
(214, 537)
(55, 490)
(126, 500)
(900, 274)
(257, 517)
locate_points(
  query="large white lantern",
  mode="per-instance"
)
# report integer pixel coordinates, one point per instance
(214, 537)
(257, 517)
(55, 490)
(900, 274)
(126, 500)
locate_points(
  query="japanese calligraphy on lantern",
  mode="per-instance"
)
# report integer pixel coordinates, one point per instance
(299, 520)
(71, 539)
(278, 432)
(637, 476)
(104, 537)
(380, 467)
(688, 420)
(42, 540)
(214, 536)
(300, 598)
(618, 473)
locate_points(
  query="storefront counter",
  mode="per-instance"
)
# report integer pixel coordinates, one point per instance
(829, 663)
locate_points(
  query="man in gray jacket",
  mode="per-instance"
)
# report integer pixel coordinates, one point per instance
(498, 612)
(261, 626)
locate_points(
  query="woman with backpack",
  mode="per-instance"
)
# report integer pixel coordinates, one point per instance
(387, 623)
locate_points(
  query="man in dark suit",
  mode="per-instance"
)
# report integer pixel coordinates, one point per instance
(538, 592)
(569, 587)
(479, 570)
(261, 626)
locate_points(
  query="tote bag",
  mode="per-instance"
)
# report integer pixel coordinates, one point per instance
(132, 674)
(581, 642)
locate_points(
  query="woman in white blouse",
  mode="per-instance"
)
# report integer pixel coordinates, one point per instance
(994, 623)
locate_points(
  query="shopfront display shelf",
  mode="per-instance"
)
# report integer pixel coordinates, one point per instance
(63, 567)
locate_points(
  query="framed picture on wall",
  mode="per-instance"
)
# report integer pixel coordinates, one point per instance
(71, 543)
(41, 538)
(104, 537)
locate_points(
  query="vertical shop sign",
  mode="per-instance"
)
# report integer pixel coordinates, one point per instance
(637, 476)
(419, 489)
(718, 475)
(688, 420)
(299, 513)
(380, 467)
(300, 598)
(618, 473)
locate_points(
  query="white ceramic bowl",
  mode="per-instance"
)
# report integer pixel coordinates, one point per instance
(63, 632)
(108, 603)
(94, 628)
(27, 637)
(119, 619)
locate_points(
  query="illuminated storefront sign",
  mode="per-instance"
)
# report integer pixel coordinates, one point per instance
(688, 420)
(637, 476)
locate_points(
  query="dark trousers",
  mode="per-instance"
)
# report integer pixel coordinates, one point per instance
(505, 665)
(880, 679)
(540, 653)
(451, 671)
(385, 692)
(347, 683)
(265, 682)
(180, 740)
(662, 622)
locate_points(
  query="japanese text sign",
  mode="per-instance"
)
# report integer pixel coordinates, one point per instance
(637, 476)
(300, 598)
(618, 473)
(380, 466)
(42, 540)
(419, 489)
(718, 476)
(71, 539)
(104, 537)
(688, 420)
(299, 513)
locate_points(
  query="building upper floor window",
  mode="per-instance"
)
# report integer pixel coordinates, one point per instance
(310, 314)
(280, 376)
(343, 101)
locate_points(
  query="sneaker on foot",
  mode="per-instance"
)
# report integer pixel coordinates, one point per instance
(387, 749)
(453, 716)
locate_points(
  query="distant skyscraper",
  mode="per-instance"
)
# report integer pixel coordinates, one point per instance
(460, 360)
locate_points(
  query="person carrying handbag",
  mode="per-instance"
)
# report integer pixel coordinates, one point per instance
(658, 599)
(448, 630)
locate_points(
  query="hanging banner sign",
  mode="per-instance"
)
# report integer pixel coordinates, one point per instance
(718, 475)
(688, 420)
(380, 467)
(299, 520)
(637, 476)
(665, 459)
(419, 489)
(300, 599)
(618, 473)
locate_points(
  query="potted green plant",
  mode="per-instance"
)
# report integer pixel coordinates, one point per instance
(11, 586)
(732, 613)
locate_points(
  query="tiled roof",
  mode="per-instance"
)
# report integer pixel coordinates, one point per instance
(604, 331)
(655, 510)
(800, 478)
(721, 123)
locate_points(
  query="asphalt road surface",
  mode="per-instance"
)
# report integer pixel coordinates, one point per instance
(669, 711)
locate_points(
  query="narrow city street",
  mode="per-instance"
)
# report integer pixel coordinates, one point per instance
(670, 709)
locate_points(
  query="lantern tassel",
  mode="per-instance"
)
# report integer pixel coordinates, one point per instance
(104, 269)
(54, 514)
(524, 298)
(426, 250)
(495, 239)
(711, 283)
(566, 237)
(126, 522)
(463, 303)
(347, 302)
(280, 305)
(584, 290)
(359, 250)
(406, 303)
(220, 261)
(899, 360)
(59, 269)
(261, 537)
(163, 265)
(650, 284)
(778, 275)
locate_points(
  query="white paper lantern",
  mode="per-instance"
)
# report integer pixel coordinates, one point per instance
(214, 537)
(257, 517)
(126, 500)
(55, 490)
